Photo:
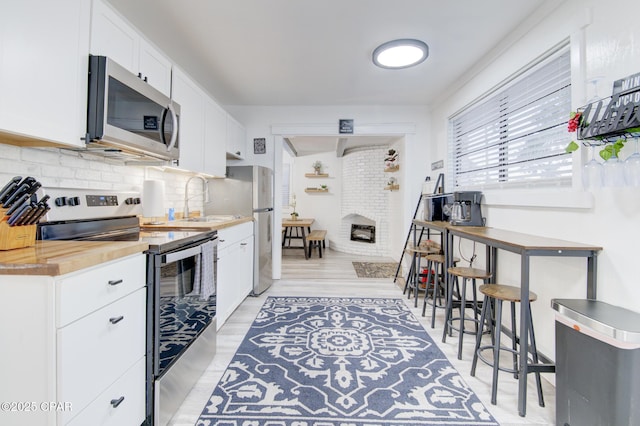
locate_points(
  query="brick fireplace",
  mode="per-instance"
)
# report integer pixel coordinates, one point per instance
(365, 204)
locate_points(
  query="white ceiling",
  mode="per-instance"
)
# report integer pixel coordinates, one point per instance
(302, 52)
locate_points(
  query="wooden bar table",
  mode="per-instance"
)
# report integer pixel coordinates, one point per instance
(302, 225)
(526, 246)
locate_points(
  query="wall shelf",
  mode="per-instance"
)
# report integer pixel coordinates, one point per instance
(392, 187)
(313, 175)
(392, 169)
(316, 190)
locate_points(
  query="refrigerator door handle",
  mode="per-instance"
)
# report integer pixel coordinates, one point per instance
(266, 209)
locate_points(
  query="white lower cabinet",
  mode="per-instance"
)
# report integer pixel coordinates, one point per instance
(235, 269)
(73, 346)
(120, 404)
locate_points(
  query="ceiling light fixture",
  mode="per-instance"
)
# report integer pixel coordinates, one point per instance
(401, 53)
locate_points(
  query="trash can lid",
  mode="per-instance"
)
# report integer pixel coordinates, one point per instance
(613, 321)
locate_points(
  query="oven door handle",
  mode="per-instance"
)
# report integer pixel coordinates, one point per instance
(182, 254)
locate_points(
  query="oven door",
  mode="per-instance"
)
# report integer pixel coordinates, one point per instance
(181, 324)
(184, 296)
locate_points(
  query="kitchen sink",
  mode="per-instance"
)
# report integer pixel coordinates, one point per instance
(213, 218)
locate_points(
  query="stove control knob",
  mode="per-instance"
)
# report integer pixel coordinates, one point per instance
(73, 201)
(128, 201)
(136, 200)
(61, 201)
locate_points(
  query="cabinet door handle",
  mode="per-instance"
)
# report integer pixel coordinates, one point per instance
(115, 282)
(221, 241)
(238, 153)
(116, 320)
(243, 244)
(116, 402)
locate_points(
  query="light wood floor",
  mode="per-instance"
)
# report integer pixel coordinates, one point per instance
(334, 275)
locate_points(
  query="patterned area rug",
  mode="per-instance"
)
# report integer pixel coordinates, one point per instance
(340, 362)
(375, 270)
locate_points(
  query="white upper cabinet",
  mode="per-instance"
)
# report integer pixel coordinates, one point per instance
(113, 36)
(202, 127)
(191, 137)
(44, 49)
(236, 144)
(215, 161)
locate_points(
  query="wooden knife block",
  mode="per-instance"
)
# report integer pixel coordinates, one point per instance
(14, 237)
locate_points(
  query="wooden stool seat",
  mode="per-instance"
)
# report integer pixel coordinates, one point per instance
(473, 273)
(438, 258)
(507, 293)
(316, 239)
(421, 250)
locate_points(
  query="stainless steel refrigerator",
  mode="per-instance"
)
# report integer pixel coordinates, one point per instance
(248, 191)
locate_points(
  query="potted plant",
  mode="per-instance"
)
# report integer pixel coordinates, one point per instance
(294, 214)
(317, 167)
(391, 158)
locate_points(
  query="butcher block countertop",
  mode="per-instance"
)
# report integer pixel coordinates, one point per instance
(198, 224)
(61, 257)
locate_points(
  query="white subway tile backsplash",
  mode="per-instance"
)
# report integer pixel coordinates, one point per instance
(61, 168)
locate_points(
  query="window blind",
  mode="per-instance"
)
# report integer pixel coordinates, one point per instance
(517, 134)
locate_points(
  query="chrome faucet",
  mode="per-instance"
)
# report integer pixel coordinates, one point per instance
(205, 193)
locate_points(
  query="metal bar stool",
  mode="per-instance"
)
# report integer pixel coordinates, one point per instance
(496, 294)
(435, 263)
(412, 282)
(466, 273)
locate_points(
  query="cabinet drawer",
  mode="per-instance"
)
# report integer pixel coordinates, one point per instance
(131, 411)
(229, 236)
(99, 348)
(81, 293)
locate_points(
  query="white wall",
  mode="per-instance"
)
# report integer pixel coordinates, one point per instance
(604, 39)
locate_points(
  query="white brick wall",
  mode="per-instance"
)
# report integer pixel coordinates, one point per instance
(363, 196)
(59, 168)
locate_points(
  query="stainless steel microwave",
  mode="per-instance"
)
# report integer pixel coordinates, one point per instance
(126, 114)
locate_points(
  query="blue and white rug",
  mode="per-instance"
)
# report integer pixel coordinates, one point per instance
(312, 361)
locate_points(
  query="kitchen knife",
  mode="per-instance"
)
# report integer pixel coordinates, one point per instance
(22, 188)
(26, 219)
(38, 208)
(23, 215)
(22, 200)
(13, 183)
(15, 217)
(41, 213)
(28, 186)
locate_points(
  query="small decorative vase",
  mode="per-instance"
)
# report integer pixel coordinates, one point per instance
(317, 171)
